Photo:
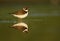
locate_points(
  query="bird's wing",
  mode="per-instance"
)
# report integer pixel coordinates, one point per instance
(14, 12)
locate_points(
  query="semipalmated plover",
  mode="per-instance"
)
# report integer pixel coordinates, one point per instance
(21, 13)
(21, 26)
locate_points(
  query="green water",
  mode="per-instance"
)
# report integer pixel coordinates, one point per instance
(43, 21)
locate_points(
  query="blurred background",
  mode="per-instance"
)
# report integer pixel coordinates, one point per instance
(43, 20)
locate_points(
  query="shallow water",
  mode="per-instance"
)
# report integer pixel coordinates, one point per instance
(44, 25)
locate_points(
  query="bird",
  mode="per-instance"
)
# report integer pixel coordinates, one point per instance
(21, 13)
(21, 27)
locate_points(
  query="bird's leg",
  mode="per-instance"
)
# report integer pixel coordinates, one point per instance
(20, 20)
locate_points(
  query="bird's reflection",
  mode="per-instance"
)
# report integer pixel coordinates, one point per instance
(21, 26)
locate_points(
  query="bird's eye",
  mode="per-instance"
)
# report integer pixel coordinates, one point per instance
(26, 31)
(26, 8)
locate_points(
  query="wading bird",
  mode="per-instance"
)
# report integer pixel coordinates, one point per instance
(21, 26)
(21, 13)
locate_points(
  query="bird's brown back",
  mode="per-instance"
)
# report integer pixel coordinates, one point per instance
(20, 12)
(20, 27)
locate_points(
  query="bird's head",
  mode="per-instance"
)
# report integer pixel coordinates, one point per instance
(26, 31)
(25, 8)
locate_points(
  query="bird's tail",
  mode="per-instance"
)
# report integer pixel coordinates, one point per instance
(10, 13)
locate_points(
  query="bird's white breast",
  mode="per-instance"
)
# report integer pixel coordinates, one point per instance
(21, 16)
(21, 24)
